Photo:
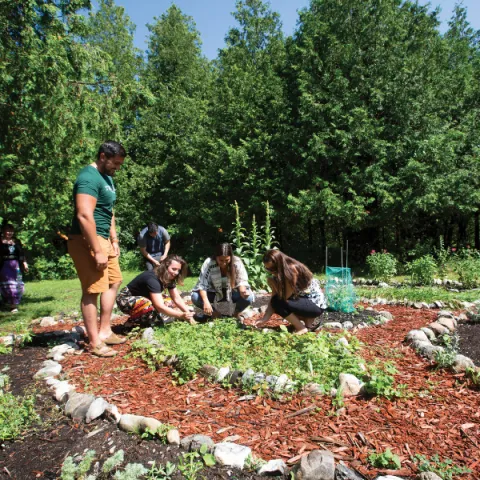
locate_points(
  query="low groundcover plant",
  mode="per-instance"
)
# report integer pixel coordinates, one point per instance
(304, 359)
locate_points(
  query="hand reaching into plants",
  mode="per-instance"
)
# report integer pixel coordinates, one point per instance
(207, 308)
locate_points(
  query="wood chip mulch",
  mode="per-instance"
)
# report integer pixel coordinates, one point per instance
(442, 416)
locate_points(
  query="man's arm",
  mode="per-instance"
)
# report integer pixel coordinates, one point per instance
(167, 249)
(114, 238)
(143, 251)
(85, 206)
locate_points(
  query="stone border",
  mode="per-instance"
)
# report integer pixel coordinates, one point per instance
(425, 341)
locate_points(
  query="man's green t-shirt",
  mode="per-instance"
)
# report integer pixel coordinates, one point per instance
(91, 182)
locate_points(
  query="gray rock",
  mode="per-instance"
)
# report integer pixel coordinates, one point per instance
(313, 389)
(148, 335)
(173, 437)
(438, 329)
(273, 467)
(438, 304)
(248, 376)
(350, 385)
(62, 349)
(208, 371)
(7, 340)
(222, 373)
(429, 333)
(332, 325)
(428, 350)
(317, 465)
(344, 473)
(195, 442)
(111, 413)
(417, 305)
(461, 363)
(96, 409)
(342, 341)
(259, 378)
(447, 322)
(416, 336)
(388, 477)
(78, 405)
(445, 313)
(281, 383)
(48, 322)
(51, 370)
(138, 424)
(386, 314)
(429, 476)
(347, 325)
(247, 313)
(62, 391)
(231, 454)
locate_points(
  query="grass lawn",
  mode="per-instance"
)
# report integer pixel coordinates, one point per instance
(50, 297)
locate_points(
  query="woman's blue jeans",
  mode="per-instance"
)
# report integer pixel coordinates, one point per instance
(240, 303)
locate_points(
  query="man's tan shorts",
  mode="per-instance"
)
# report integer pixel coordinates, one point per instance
(93, 280)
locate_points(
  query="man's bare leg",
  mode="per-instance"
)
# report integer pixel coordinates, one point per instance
(107, 301)
(88, 305)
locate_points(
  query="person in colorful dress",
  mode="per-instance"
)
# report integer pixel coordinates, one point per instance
(12, 264)
(296, 295)
(142, 298)
(223, 278)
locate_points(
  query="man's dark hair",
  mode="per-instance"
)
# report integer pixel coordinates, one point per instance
(112, 149)
(152, 227)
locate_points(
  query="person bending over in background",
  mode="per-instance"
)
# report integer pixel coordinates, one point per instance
(154, 243)
(223, 278)
(12, 264)
(142, 298)
(296, 295)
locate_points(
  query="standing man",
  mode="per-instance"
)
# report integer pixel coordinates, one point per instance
(93, 245)
(154, 243)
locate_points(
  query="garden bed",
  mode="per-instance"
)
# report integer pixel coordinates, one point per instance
(441, 415)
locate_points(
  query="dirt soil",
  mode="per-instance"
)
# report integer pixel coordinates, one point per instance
(441, 416)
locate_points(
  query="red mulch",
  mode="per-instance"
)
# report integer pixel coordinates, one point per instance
(442, 417)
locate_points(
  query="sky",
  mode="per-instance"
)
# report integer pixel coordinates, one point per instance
(213, 17)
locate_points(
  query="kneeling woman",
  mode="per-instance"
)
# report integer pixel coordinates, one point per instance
(296, 295)
(223, 278)
(142, 298)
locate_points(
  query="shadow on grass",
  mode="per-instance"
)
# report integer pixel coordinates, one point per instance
(26, 300)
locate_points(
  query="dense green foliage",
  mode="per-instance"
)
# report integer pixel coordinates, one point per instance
(305, 359)
(362, 126)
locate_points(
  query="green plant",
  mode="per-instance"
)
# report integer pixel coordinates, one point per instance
(467, 266)
(474, 375)
(385, 459)
(16, 413)
(72, 471)
(189, 465)
(113, 462)
(305, 359)
(445, 468)
(161, 432)
(422, 270)
(131, 260)
(252, 245)
(161, 472)
(253, 463)
(442, 256)
(50, 269)
(380, 381)
(382, 265)
(446, 358)
(132, 471)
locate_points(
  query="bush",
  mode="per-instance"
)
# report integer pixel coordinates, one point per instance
(382, 265)
(467, 266)
(131, 260)
(61, 268)
(422, 270)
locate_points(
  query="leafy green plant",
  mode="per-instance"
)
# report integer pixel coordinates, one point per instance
(161, 432)
(133, 471)
(252, 464)
(131, 260)
(467, 266)
(382, 265)
(445, 468)
(442, 256)
(305, 359)
(446, 358)
(251, 246)
(73, 471)
(113, 462)
(162, 472)
(386, 459)
(16, 413)
(60, 268)
(382, 383)
(474, 375)
(190, 465)
(422, 270)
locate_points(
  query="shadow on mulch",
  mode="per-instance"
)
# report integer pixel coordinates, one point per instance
(43, 449)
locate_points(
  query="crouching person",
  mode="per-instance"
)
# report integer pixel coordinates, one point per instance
(142, 298)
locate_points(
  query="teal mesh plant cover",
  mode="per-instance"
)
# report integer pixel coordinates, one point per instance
(339, 290)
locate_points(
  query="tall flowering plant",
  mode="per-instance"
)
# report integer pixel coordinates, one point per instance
(382, 265)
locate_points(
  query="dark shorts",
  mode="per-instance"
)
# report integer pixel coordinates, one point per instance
(301, 306)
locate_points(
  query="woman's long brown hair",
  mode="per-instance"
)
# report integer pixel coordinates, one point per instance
(162, 273)
(288, 271)
(225, 250)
